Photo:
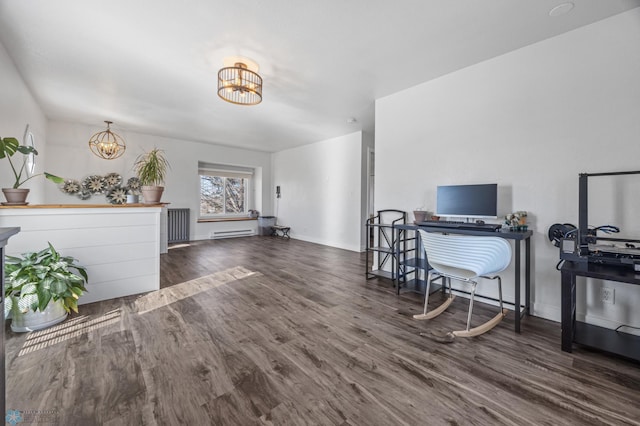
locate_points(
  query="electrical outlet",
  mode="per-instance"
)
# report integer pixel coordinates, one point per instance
(607, 295)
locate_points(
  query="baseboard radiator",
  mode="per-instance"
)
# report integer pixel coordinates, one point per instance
(178, 225)
(232, 233)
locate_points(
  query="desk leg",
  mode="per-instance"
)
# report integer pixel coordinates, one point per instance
(568, 304)
(527, 276)
(517, 301)
(366, 256)
(397, 256)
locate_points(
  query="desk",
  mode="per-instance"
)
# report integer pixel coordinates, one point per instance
(518, 237)
(623, 344)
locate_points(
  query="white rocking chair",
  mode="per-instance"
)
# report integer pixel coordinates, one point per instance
(464, 258)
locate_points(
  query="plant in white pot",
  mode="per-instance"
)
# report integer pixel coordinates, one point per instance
(41, 288)
(8, 148)
(151, 168)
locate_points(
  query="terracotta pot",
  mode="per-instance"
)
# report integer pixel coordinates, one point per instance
(152, 194)
(53, 314)
(16, 196)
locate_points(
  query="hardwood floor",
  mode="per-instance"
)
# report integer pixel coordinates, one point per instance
(265, 331)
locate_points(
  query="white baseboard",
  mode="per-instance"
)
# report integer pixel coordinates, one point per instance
(553, 313)
(546, 311)
(339, 245)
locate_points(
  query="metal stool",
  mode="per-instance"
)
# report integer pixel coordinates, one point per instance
(280, 231)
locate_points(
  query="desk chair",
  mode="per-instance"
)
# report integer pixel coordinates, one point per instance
(464, 258)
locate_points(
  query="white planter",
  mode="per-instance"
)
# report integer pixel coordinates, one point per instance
(32, 321)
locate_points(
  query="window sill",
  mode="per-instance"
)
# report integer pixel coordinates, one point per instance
(225, 219)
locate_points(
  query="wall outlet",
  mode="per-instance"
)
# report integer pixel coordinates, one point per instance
(607, 295)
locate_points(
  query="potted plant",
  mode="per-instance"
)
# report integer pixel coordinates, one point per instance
(42, 288)
(8, 148)
(151, 168)
(420, 215)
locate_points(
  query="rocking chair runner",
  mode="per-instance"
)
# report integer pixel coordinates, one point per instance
(464, 258)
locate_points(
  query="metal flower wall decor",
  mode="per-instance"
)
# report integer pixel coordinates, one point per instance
(109, 185)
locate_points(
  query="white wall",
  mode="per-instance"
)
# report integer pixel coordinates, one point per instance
(69, 156)
(17, 109)
(321, 191)
(530, 120)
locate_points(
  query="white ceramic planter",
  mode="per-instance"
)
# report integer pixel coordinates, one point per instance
(32, 321)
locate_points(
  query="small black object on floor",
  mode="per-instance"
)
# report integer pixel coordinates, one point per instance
(280, 231)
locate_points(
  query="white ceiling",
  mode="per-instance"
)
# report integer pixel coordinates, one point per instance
(151, 65)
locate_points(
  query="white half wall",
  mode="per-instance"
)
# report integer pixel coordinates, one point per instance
(530, 120)
(118, 246)
(321, 191)
(69, 156)
(18, 108)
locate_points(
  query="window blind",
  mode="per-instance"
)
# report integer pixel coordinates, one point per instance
(224, 170)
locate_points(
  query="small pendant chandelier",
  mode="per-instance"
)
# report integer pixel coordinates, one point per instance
(107, 144)
(239, 85)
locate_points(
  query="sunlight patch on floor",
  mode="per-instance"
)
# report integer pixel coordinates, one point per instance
(174, 293)
(173, 246)
(69, 329)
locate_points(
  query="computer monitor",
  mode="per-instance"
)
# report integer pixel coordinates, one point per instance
(473, 201)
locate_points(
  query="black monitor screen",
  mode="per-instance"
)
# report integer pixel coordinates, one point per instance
(468, 200)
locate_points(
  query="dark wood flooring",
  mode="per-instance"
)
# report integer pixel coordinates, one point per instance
(266, 331)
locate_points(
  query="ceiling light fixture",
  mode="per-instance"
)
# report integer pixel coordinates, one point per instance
(239, 85)
(107, 144)
(561, 9)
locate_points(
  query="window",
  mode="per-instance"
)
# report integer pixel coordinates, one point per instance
(223, 190)
(222, 195)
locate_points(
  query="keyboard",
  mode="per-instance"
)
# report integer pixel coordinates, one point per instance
(443, 222)
(461, 225)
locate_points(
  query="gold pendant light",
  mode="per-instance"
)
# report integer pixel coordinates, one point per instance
(107, 144)
(239, 85)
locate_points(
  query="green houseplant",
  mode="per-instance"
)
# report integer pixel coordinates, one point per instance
(41, 288)
(8, 148)
(151, 168)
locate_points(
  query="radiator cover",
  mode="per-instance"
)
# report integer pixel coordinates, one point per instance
(178, 225)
